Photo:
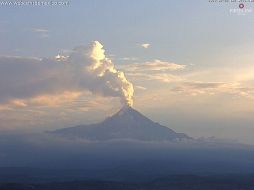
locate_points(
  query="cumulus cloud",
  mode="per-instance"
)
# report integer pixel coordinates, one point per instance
(128, 59)
(29, 80)
(156, 65)
(191, 83)
(156, 70)
(195, 88)
(140, 87)
(61, 57)
(159, 77)
(42, 32)
(145, 45)
(204, 85)
(49, 100)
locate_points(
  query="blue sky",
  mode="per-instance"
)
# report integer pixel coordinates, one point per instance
(212, 95)
(182, 31)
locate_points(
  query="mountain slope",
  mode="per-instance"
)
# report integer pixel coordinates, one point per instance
(125, 124)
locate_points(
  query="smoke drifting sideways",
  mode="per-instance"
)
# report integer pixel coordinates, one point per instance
(86, 68)
(111, 82)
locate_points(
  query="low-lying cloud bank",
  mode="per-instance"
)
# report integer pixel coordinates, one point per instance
(47, 151)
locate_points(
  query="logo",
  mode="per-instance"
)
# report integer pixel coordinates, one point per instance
(236, 7)
(240, 10)
(241, 6)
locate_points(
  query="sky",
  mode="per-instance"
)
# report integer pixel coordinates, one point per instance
(189, 63)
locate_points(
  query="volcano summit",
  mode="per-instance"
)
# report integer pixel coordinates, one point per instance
(125, 124)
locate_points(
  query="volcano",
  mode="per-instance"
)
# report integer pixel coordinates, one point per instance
(125, 124)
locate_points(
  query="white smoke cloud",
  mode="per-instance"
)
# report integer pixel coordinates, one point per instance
(86, 68)
(145, 45)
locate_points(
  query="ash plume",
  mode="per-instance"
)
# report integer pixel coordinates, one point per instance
(100, 73)
(86, 68)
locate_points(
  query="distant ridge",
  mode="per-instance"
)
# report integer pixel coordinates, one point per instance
(127, 123)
